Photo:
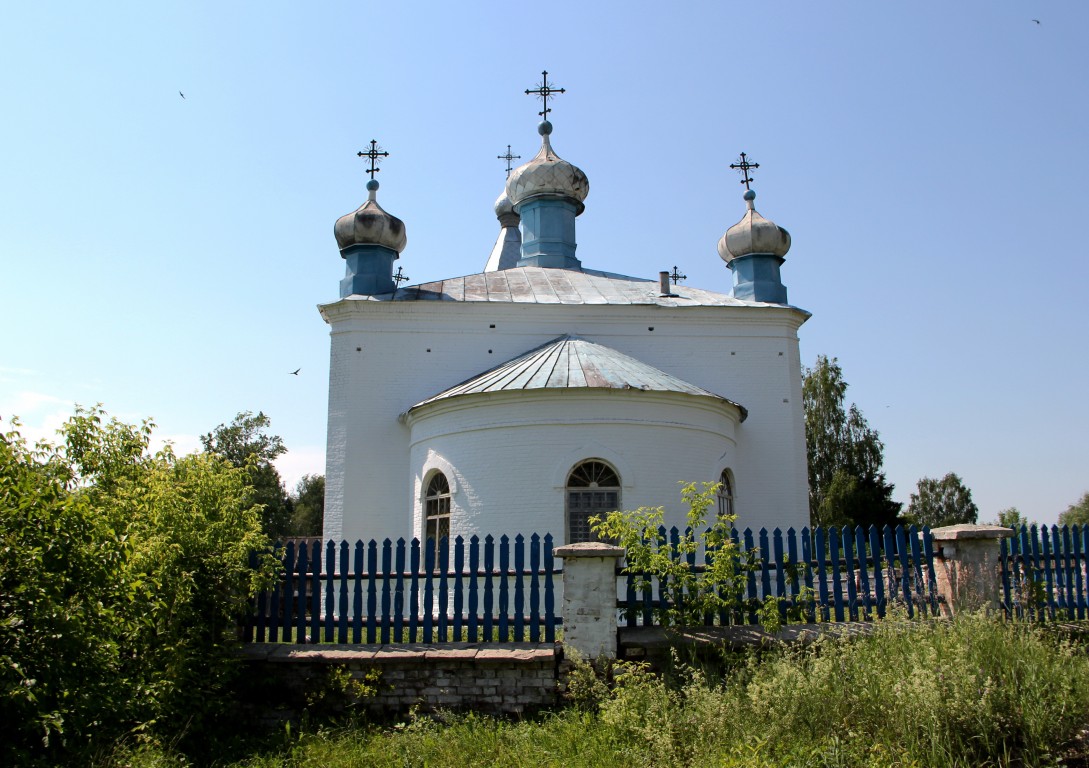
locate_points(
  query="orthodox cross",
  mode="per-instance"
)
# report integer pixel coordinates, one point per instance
(400, 277)
(743, 168)
(508, 157)
(374, 153)
(676, 276)
(544, 90)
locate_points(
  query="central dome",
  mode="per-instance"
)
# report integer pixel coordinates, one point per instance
(547, 174)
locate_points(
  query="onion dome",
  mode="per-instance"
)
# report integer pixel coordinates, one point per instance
(504, 211)
(753, 235)
(370, 225)
(547, 174)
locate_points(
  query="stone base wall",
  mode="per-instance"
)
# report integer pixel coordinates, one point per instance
(285, 682)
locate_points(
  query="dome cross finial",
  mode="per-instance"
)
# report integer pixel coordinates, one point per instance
(743, 168)
(508, 157)
(373, 154)
(543, 91)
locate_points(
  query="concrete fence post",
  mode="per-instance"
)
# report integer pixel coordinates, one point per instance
(589, 597)
(967, 567)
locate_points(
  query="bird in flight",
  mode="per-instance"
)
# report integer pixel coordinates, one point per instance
(183, 95)
(296, 372)
(1036, 20)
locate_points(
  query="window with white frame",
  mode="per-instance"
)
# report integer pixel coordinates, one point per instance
(593, 488)
(437, 508)
(725, 494)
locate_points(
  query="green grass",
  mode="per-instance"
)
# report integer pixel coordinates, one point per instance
(971, 692)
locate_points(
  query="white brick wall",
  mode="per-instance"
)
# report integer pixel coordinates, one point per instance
(387, 356)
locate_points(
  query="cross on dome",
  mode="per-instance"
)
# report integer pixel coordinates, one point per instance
(508, 157)
(373, 154)
(543, 91)
(743, 168)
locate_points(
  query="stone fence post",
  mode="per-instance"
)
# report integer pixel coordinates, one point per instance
(589, 597)
(967, 569)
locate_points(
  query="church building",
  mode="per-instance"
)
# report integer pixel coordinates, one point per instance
(545, 389)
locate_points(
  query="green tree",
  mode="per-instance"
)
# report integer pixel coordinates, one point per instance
(308, 502)
(122, 577)
(246, 444)
(1011, 517)
(1077, 513)
(845, 455)
(942, 502)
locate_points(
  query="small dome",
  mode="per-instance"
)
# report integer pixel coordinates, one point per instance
(503, 206)
(370, 225)
(547, 174)
(753, 235)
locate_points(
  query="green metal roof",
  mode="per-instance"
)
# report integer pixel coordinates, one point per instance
(571, 362)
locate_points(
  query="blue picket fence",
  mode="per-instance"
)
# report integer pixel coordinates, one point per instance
(404, 592)
(1044, 572)
(824, 574)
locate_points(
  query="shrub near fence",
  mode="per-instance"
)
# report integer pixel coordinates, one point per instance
(1044, 572)
(827, 574)
(407, 592)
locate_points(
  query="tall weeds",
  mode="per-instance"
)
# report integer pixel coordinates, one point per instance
(971, 692)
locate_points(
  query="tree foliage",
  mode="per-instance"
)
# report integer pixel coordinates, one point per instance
(1011, 517)
(687, 594)
(942, 502)
(308, 506)
(122, 575)
(1077, 513)
(845, 455)
(246, 444)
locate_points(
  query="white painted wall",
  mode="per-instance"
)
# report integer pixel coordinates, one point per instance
(388, 356)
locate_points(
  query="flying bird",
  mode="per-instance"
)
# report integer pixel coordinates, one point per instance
(296, 372)
(1036, 20)
(183, 95)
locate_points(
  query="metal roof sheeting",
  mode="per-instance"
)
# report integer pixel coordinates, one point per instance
(572, 362)
(542, 285)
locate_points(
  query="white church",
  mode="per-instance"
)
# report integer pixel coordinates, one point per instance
(545, 389)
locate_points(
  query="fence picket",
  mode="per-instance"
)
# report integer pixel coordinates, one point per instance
(414, 591)
(372, 591)
(1068, 574)
(917, 567)
(357, 593)
(302, 567)
(387, 597)
(535, 589)
(807, 559)
(1048, 566)
(765, 565)
(866, 597)
(822, 573)
(1079, 563)
(399, 593)
(441, 624)
(342, 615)
(750, 580)
(474, 572)
(780, 575)
(428, 608)
(504, 588)
(550, 593)
(459, 591)
(489, 577)
(849, 573)
(519, 588)
(834, 559)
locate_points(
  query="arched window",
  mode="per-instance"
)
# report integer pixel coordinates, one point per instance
(593, 488)
(725, 494)
(437, 508)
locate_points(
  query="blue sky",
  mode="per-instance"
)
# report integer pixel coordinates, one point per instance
(164, 256)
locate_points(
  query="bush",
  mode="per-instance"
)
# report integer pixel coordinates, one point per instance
(122, 574)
